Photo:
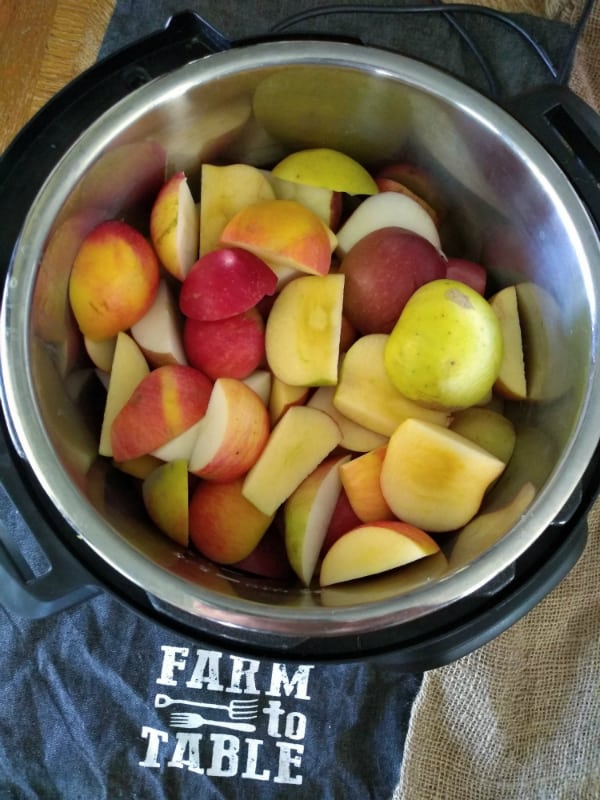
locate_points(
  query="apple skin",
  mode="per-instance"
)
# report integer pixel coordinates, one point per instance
(373, 548)
(232, 433)
(226, 348)
(342, 520)
(174, 226)
(511, 381)
(168, 401)
(269, 558)
(284, 233)
(224, 526)
(469, 272)
(113, 281)
(383, 270)
(165, 495)
(225, 283)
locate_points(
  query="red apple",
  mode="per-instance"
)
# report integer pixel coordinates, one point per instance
(269, 557)
(226, 348)
(342, 520)
(382, 271)
(474, 275)
(224, 283)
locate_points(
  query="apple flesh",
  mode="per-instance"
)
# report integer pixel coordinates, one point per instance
(434, 478)
(232, 433)
(168, 401)
(113, 281)
(283, 233)
(511, 381)
(224, 283)
(307, 514)
(101, 353)
(383, 210)
(226, 348)
(366, 395)
(165, 495)
(361, 479)
(383, 269)
(302, 438)
(159, 332)
(302, 337)
(355, 437)
(325, 203)
(283, 396)
(224, 526)
(390, 185)
(417, 180)
(174, 226)
(374, 548)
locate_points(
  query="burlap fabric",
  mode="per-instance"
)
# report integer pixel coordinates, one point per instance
(519, 719)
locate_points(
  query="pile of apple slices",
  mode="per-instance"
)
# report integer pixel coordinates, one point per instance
(263, 381)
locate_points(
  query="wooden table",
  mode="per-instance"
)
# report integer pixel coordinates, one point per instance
(46, 43)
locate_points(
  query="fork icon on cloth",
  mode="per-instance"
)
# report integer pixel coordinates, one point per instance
(192, 720)
(236, 709)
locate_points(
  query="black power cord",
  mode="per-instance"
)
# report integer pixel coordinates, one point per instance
(449, 10)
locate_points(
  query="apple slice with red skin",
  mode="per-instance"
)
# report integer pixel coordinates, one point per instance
(224, 283)
(168, 401)
(342, 520)
(469, 272)
(224, 526)
(226, 348)
(373, 548)
(269, 558)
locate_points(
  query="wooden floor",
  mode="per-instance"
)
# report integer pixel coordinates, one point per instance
(46, 43)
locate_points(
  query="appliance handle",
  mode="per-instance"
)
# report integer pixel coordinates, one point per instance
(39, 577)
(569, 129)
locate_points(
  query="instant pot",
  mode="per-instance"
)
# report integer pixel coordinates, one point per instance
(522, 188)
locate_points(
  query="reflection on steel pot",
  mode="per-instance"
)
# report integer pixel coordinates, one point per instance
(510, 205)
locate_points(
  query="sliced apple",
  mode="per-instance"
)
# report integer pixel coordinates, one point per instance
(180, 447)
(366, 395)
(488, 429)
(361, 481)
(224, 526)
(101, 353)
(307, 514)
(224, 191)
(282, 396)
(283, 233)
(327, 168)
(419, 181)
(355, 437)
(302, 337)
(260, 381)
(139, 467)
(165, 494)
(434, 478)
(486, 529)
(302, 438)
(232, 433)
(174, 226)
(383, 210)
(166, 402)
(373, 548)
(511, 381)
(159, 331)
(391, 185)
(325, 203)
(129, 368)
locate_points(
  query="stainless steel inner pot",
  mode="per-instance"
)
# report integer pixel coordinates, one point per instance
(512, 208)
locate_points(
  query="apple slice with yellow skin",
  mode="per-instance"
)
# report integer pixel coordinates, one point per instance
(260, 382)
(283, 233)
(232, 433)
(224, 526)
(511, 381)
(224, 191)
(282, 396)
(113, 281)
(373, 548)
(302, 438)
(165, 403)
(174, 226)
(159, 331)
(101, 353)
(355, 437)
(486, 529)
(327, 168)
(129, 368)
(307, 514)
(326, 203)
(434, 478)
(139, 467)
(361, 481)
(383, 210)
(302, 335)
(488, 429)
(165, 494)
(366, 395)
